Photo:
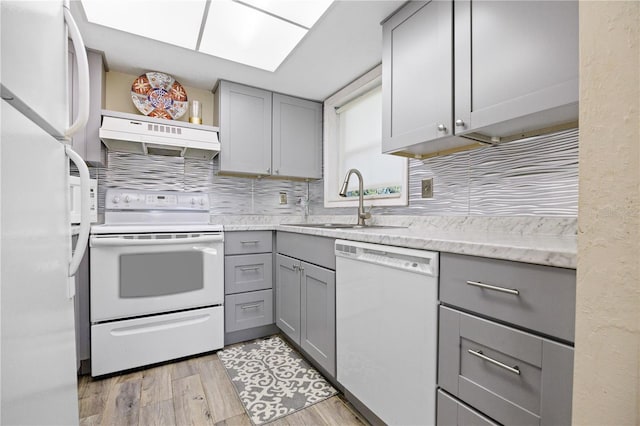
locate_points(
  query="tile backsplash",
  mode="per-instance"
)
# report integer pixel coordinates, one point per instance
(531, 177)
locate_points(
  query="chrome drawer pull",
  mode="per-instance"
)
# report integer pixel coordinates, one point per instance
(493, 287)
(250, 242)
(255, 268)
(255, 305)
(479, 354)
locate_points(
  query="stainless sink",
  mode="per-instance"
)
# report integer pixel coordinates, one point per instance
(340, 226)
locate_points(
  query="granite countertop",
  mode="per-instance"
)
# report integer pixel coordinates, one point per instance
(544, 241)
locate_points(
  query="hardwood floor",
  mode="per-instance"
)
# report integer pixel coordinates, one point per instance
(196, 391)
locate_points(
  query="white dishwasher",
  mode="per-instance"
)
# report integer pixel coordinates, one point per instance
(386, 329)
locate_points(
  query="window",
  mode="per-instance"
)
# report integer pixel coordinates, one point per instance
(352, 139)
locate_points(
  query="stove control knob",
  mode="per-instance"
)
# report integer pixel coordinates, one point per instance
(202, 201)
(193, 201)
(127, 198)
(116, 199)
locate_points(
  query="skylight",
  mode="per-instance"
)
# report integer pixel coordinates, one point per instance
(259, 33)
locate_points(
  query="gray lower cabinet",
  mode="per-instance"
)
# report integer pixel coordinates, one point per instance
(505, 342)
(514, 377)
(248, 285)
(452, 412)
(268, 134)
(486, 70)
(305, 299)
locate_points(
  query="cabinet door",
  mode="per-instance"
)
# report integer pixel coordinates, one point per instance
(245, 129)
(86, 142)
(318, 311)
(417, 74)
(297, 137)
(288, 296)
(514, 60)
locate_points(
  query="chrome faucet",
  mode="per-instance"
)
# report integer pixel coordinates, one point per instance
(362, 215)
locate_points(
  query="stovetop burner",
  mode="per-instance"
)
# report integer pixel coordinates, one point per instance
(139, 211)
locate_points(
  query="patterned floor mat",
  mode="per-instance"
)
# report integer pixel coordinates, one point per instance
(272, 379)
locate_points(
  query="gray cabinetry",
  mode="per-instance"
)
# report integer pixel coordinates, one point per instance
(535, 297)
(305, 296)
(297, 137)
(509, 354)
(452, 412)
(489, 71)
(248, 285)
(245, 129)
(268, 134)
(86, 142)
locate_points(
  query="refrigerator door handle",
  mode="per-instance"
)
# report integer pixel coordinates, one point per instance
(85, 210)
(83, 74)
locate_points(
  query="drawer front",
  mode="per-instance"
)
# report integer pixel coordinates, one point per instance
(452, 412)
(248, 310)
(310, 248)
(248, 273)
(503, 372)
(545, 299)
(121, 345)
(248, 242)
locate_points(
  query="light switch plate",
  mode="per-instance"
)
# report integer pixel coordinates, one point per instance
(427, 188)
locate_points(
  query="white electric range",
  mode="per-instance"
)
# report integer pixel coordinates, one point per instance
(157, 280)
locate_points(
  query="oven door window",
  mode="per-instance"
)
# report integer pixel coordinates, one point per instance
(160, 274)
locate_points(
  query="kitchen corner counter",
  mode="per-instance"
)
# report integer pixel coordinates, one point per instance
(544, 241)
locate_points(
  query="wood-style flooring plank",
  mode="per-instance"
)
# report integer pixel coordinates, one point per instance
(308, 416)
(93, 394)
(240, 420)
(94, 420)
(156, 385)
(159, 413)
(190, 403)
(185, 368)
(123, 405)
(221, 395)
(334, 412)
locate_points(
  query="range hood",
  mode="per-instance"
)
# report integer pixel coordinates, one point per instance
(137, 134)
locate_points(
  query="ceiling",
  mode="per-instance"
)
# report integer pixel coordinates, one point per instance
(344, 44)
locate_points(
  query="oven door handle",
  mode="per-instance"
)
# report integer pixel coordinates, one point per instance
(128, 242)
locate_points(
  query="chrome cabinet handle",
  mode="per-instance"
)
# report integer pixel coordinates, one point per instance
(250, 242)
(296, 267)
(277, 171)
(494, 288)
(442, 128)
(301, 269)
(255, 305)
(479, 354)
(255, 268)
(459, 123)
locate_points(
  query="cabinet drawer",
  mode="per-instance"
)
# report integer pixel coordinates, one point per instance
(545, 299)
(511, 376)
(452, 412)
(247, 242)
(248, 310)
(248, 273)
(310, 248)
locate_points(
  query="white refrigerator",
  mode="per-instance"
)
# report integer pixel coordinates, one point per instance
(37, 363)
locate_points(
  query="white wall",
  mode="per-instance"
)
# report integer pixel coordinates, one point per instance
(607, 357)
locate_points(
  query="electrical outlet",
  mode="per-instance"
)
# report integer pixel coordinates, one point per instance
(427, 188)
(283, 198)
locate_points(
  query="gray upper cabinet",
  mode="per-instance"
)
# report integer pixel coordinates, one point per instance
(268, 134)
(489, 71)
(417, 75)
(245, 129)
(516, 66)
(86, 142)
(297, 137)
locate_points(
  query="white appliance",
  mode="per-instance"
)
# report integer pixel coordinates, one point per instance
(387, 328)
(75, 198)
(39, 382)
(147, 135)
(157, 280)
